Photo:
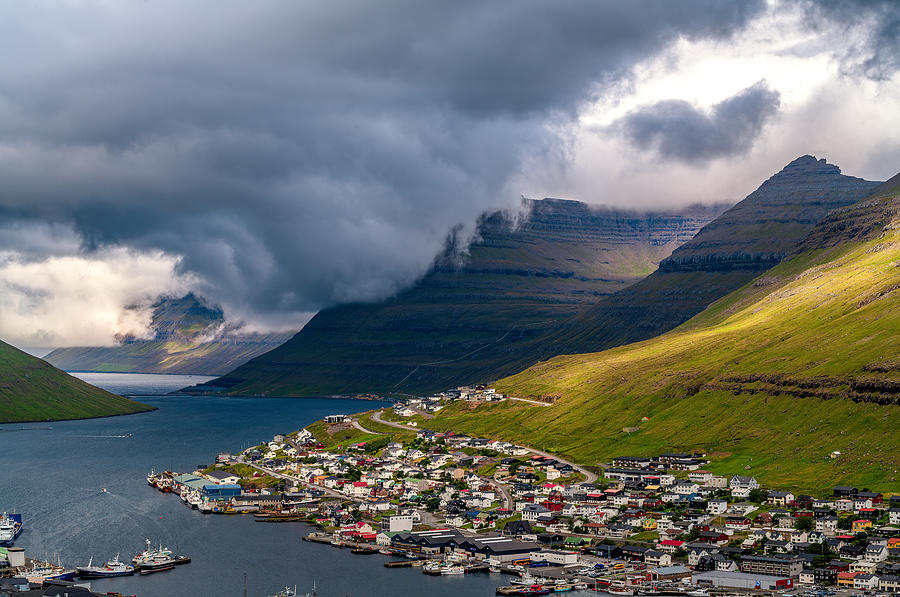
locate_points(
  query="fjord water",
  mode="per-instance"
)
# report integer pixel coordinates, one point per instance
(54, 474)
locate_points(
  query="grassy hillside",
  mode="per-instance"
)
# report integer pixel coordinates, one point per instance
(801, 362)
(478, 314)
(727, 253)
(32, 390)
(191, 338)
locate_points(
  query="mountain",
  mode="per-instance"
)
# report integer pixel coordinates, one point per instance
(190, 337)
(474, 314)
(770, 381)
(749, 238)
(32, 390)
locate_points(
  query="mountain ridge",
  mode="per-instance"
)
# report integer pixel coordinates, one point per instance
(774, 378)
(520, 277)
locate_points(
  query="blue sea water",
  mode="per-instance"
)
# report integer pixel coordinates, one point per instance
(54, 475)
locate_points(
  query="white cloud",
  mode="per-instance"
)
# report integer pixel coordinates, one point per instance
(824, 111)
(84, 300)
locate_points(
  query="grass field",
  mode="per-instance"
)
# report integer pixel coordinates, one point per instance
(769, 381)
(32, 390)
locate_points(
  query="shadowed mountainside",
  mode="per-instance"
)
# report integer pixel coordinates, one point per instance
(799, 363)
(476, 314)
(751, 237)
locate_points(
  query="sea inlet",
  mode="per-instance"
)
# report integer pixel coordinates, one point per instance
(55, 475)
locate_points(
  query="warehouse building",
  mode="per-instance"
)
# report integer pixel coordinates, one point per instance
(741, 580)
(774, 565)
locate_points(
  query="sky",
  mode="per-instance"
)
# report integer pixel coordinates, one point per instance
(281, 156)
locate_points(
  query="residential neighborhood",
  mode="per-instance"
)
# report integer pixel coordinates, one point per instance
(452, 503)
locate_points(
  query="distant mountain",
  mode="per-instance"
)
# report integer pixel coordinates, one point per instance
(190, 337)
(32, 390)
(751, 237)
(473, 314)
(773, 380)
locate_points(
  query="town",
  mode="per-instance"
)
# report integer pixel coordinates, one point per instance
(453, 504)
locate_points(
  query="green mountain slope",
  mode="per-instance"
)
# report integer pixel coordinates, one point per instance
(190, 338)
(478, 314)
(32, 390)
(770, 380)
(749, 238)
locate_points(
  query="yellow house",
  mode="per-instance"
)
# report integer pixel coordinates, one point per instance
(649, 524)
(861, 525)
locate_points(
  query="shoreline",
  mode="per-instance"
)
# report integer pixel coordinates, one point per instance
(149, 409)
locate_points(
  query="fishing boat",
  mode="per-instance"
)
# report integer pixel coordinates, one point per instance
(10, 528)
(41, 571)
(152, 555)
(151, 479)
(452, 570)
(157, 567)
(289, 592)
(112, 568)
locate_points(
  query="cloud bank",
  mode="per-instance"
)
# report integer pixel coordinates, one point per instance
(279, 157)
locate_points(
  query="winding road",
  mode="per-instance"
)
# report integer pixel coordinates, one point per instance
(589, 477)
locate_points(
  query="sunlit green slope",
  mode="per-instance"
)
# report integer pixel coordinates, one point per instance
(802, 362)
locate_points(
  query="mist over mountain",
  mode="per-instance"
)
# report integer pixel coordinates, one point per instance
(189, 337)
(474, 314)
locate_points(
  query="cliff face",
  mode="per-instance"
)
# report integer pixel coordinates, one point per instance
(190, 337)
(474, 315)
(751, 237)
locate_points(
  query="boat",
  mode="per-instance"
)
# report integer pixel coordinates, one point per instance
(41, 571)
(152, 478)
(616, 591)
(112, 568)
(10, 528)
(151, 568)
(150, 555)
(450, 570)
(289, 592)
(698, 593)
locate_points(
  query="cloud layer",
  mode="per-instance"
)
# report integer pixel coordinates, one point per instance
(279, 157)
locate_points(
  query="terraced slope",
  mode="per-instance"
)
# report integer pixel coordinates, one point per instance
(32, 390)
(190, 338)
(749, 238)
(473, 317)
(770, 380)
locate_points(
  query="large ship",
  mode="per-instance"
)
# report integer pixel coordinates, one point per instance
(10, 527)
(157, 559)
(112, 568)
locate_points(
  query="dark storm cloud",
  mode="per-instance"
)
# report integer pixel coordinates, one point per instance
(871, 33)
(679, 131)
(302, 153)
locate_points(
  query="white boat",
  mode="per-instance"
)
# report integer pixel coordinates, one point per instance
(10, 527)
(152, 556)
(112, 568)
(698, 593)
(448, 570)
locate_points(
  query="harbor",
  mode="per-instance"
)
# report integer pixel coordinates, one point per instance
(67, 516)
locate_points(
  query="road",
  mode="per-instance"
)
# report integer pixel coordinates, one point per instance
(357, 424)
(589, 477)
(277, 475)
